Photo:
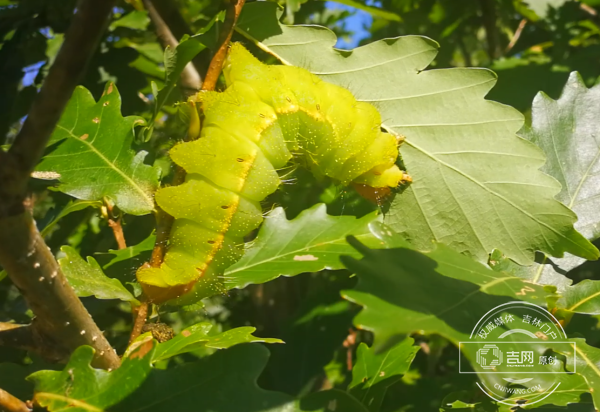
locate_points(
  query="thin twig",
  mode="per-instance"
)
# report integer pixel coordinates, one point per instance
(190, 78)
(117, 229)
(170, 13)
(588, 9)
(140, 315)
(9, 403)
(517, 35)
(216, 64)
(61, 318)
(349, 344)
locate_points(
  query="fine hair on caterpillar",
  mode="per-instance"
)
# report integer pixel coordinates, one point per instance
(265, 119)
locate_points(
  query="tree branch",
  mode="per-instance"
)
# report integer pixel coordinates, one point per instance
(61, 318)
(9, 403)
(140, 315)
(488, 11)
(81, 40)
(216, 64)
(190, 78)
(170, 13)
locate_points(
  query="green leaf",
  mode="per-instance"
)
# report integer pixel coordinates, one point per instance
(224, 381)
(441, 291)
(130, 252)
(311, 242)
(81, 388)
(568, 133)
(544, 270)
(588, 366)
(87, 278)
(373, 11)
(374, 372)
(136, 20)
(175, 61)
(584, 297)
(148, 67)
(542, 7)
(476, 185)
(151, 50)
(330, 400)
(571, 389)
(313, 333)
(197, 336)
(574, 385)
(291, 8)
(91, 151)
(455, 401)
(73, 206)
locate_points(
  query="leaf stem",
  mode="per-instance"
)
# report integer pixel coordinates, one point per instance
(140, 315)
(216, 64)
(116, 226)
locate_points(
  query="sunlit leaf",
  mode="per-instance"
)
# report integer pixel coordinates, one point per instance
(197, 336)
(87, 278)
(90, 150)
(567, 131)
(79, 387)
(476, 185)
(311, 242)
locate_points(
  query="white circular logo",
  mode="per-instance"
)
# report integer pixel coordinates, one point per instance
(519, 350)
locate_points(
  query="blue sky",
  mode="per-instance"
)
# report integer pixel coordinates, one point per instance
(355, 23)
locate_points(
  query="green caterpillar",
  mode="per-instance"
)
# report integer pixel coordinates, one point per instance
(267, 116)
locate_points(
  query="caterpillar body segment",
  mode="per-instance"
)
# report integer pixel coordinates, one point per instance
(266, 117)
